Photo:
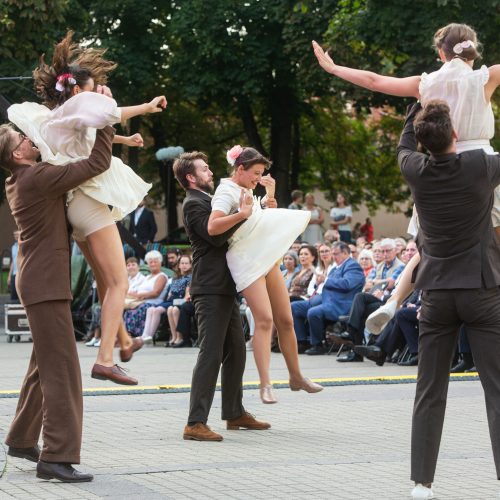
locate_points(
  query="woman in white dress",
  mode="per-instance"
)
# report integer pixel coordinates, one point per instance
(253, 257)
(468, 92)
(64, 130)
(314, 232)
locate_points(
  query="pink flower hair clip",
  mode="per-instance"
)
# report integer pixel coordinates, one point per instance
(233, 154)
(460, 46)
(61, 79)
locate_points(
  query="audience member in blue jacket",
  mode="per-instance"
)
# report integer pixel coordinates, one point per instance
(342, 284)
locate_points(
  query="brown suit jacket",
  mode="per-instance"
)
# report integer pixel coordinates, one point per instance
(37, 197)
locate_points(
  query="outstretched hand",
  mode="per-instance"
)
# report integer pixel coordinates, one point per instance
(324, 59)
(157, 105)
(246, 204)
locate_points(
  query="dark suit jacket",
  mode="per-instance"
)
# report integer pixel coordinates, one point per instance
(210, 272)
(145, 229)
(453, 194)
(37, 198)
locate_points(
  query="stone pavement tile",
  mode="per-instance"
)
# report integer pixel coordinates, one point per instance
(343, 443)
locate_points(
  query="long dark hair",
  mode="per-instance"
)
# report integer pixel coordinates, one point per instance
(80, 64)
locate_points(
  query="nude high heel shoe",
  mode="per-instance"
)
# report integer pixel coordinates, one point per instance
(267, 395)
(305, 385)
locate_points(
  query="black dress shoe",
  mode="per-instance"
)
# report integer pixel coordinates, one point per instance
(302, 347)
(315, 350)
(342, 338)
(31, 454)
(372, 352)
(412, 361)
(350, 357)
(182, 343)
(471, 370)
(65, 473)
(461, 367)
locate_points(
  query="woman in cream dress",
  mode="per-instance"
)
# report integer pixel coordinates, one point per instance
(64, 131)
(253, 257)
(468, 92)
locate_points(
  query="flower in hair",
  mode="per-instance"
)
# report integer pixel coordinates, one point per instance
(460, 46)
(62, 78)
(233, 153)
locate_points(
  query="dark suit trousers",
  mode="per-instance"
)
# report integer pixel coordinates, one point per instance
(443, 312)
(52, 389)
(221, 342)
(362, 306)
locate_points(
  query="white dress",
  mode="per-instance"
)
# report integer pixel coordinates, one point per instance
(313, 233)
(67, 133)
(463, 90)
(262, 239)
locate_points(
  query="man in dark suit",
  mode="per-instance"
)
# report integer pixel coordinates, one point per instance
(217, 311)
(142, 224)
(51, 396)
(459, 274)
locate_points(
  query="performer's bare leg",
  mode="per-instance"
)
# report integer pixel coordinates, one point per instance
(107, 253)
(282, 316)
(258, 301)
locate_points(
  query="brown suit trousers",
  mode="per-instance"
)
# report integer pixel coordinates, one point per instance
(442, 314)
(51, 395)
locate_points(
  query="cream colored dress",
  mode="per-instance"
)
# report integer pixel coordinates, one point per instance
(463, 89)
(262, 240)
(67, 133)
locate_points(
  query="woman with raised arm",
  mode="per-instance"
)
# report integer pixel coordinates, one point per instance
(468, 92)
(76, 103)
(253, 257)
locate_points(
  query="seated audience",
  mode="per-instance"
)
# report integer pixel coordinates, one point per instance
(290, 267)
(331, 236)
(173, 255)
(400, 247)
(343, 282)
(184, 324)
(135, 278)
(149, 294)
(308, 257)
(382, 276)
(466, 361)
(378, 256)
(325, 264)
(177, 293)
(400, 331)
(366, 261)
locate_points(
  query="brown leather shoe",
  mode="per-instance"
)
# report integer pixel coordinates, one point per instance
(114, 373)
(201, 432)
(247, 421)
(126, 354)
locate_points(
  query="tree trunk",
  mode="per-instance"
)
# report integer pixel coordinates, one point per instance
(294, 177)
(282, 111)
(250, 126)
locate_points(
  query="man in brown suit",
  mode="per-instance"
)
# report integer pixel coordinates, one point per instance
(52, 388)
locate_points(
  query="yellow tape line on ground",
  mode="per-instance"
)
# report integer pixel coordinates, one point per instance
(186, 387)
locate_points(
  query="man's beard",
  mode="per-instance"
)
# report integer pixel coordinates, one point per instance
(207, 186)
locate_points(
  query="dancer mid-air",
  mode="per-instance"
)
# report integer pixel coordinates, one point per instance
(468, 92)
(64, 131)
(253, 255)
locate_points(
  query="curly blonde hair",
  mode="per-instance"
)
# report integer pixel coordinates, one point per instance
(70, 59)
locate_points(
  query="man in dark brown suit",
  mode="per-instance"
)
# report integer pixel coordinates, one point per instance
(52, 388)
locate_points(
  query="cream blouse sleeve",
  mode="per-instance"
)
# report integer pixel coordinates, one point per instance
(224, 200)
(86, 110)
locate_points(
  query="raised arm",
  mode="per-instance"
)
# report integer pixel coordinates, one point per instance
(402, 87)
(157, 105)
(55, 180)
(493, 82)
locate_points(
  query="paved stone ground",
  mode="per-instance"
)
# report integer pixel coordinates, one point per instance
(347, 442)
